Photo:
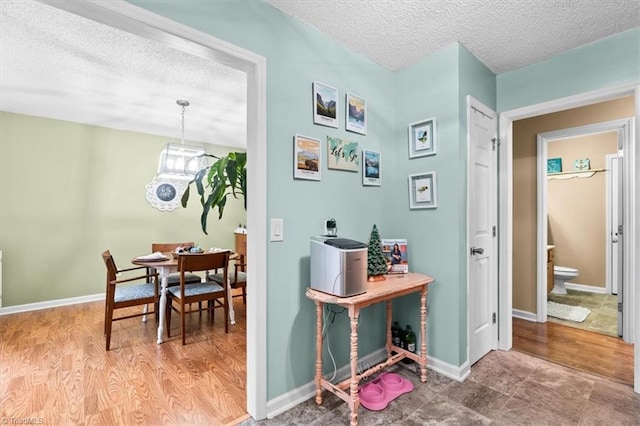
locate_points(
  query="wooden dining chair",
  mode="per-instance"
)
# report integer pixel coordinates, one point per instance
(174, 279)
(181, 297)
(237, 279)
(126, 292)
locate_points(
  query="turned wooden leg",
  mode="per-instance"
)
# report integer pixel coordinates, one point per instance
(389, 341)
(319, 306)
(355, 401)
(423, 334)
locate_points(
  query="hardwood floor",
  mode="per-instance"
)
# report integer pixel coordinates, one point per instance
(53, 367)
(583, 350)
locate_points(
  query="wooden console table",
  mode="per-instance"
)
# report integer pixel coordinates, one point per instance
(380, 291)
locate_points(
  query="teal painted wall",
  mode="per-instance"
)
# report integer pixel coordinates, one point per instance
(429, 89)
(437, 87)
(608, 62)
(296, 56)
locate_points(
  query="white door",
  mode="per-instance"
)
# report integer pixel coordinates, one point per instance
(614, 240)
(481, 234)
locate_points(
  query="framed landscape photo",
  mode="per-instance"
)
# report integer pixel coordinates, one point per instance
(356, 114)
(307, 158)
(422, 138)
(422, 191)
(325, 105)
(370, 168)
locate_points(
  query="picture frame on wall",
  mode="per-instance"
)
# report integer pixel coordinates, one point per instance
(554, 165)
(371, 168)
(422, 191)
(422, 138)
(325, 105)
(342, 154)
(307, 158)
(356, 114)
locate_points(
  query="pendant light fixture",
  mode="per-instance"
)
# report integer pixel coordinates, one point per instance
(180, 161)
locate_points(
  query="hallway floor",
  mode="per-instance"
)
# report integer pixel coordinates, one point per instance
(604, 314)
(504, 388)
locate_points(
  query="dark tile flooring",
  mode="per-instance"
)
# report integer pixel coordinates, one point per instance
(603, 317)
(505, 388)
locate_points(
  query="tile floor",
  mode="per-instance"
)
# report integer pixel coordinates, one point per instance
(504, 388)
(603, 317)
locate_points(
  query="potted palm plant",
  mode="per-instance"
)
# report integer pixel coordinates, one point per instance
(227, 176)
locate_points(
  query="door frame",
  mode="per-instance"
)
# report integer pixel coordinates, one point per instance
(133, 19)
(472, 104)
(505, 209)
(611, 159)
(621, 127)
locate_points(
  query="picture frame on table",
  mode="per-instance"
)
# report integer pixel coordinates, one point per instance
(371, 168)
(356, 114)
(307, 158)
(422, 138)
(423, 191)
(325, 105)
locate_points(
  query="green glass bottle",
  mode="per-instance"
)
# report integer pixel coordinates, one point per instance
(395, 334)
(410, 343)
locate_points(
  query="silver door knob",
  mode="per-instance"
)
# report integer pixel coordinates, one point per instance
(475, 250)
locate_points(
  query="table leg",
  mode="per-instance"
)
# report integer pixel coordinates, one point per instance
(389, 341)
(164, 281)
(355, 401)
(145, 310)
(423, 334)
(319, 307)
(232, 312)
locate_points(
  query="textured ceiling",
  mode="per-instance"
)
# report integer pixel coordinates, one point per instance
(503, 34)
(59, 65)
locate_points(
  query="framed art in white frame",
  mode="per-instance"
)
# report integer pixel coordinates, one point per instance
(422, 191)
(422, 138)
(356, 114)
(342, 154)
(325, 105)
(307, 158)
(371, 168)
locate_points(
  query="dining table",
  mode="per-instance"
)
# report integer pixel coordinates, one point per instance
(165, 265)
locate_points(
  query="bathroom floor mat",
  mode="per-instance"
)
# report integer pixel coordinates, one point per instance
(567, 312)
(385, 388)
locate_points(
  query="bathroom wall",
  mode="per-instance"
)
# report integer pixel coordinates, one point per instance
(525, 187)
(577, 207)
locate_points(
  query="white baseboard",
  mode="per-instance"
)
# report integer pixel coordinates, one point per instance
(51, 304)
(527, 316)
(297, 396)
(586, 288)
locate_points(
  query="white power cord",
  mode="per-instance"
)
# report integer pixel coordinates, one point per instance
(325, 331)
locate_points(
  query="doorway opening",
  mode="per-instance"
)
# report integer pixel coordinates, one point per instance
(579, 216)
(508, 207)
(138, 21)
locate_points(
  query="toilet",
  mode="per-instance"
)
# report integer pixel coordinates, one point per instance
(560, 275)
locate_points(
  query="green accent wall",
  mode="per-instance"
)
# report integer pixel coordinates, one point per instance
(69, 191)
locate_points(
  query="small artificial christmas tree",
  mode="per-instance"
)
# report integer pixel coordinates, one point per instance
(376, 262)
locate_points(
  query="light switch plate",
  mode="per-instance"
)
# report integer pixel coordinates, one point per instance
(277, 229)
